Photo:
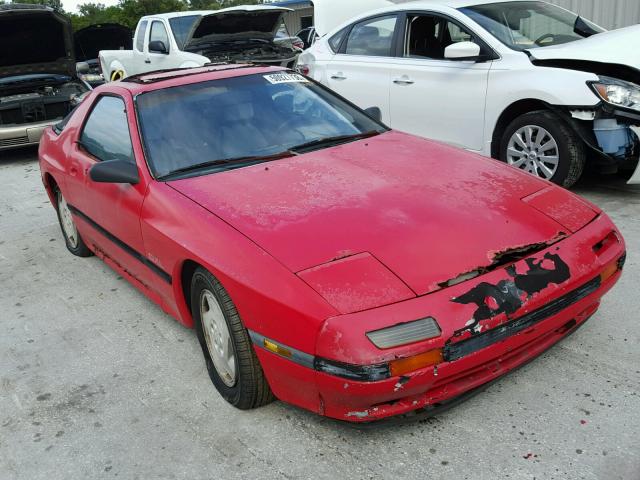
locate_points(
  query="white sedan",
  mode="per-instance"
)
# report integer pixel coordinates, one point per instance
(526, 82)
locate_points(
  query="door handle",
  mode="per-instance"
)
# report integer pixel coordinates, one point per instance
(403, 81)
(147, 61)
(338, 76)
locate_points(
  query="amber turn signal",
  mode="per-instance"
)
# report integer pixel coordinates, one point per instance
(609, 271)
(275, 348)
(411, 364)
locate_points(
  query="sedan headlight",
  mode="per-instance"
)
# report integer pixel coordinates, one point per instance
(405, 333)
(618, 92)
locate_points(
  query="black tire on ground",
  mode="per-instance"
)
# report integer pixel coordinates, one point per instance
(572, 150)
(251, 389)
(80, 249)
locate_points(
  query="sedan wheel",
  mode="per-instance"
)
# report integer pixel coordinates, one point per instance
(229, 354)
(544, 144)
(534, 150)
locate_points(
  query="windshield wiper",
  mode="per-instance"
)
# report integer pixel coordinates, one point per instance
(331, 141)
(226, 161)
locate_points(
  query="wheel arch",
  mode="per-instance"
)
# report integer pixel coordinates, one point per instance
(509, 114)
(183, 289)
(51, 185)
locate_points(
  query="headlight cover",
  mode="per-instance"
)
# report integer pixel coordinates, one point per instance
(405, 333)
(618, 92)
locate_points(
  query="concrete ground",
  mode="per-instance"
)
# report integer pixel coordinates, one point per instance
(96, 382)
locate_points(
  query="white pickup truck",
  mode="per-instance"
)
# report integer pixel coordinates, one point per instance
(193, 39)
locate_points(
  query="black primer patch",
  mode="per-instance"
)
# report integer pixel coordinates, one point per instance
(510, 295)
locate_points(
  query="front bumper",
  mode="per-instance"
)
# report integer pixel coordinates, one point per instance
(300, 381)
(23, 135)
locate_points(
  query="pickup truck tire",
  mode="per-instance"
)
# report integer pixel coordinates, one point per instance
(228, 351)
(117, 75)
(541, 143)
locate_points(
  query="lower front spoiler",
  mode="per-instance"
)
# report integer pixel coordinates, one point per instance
(435, 409)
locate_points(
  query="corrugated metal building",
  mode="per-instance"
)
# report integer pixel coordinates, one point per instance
(609, 14)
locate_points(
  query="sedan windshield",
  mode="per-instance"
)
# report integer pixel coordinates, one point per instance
(525, 25)
(234, 122)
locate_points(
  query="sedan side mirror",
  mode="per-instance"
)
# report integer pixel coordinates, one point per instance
(462, 51)
(115, 171)
(374, 112)
(158, 46)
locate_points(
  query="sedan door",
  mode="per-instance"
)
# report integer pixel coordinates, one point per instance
(360, 71)
(432, 96)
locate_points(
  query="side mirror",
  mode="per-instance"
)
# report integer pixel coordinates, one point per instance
(462, 51)
(158, 46)
(374, 112)
(115, 171)
(82, 67)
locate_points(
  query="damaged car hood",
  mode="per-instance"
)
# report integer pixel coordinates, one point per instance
(35, 40)
(103, 36)
(237, 23)
(619, 47)
(428, 212)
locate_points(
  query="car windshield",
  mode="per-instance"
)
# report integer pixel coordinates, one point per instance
(229, 123)
(525, 25)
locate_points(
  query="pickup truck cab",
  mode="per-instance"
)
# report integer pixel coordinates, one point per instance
(196, 38)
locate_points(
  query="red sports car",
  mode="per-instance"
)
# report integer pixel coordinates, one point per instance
(323, 259)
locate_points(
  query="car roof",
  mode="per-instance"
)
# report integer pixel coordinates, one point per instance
(161, 79)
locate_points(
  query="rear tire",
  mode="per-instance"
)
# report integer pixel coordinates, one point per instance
(231, 361)
(541, 143)
(72, 237)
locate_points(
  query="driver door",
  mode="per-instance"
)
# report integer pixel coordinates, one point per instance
(111, 212)
(156, 60)
(432, 96)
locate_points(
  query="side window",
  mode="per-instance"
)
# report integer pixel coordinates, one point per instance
(106, 133)
(336, 40)
(142, 30)
(372, 37)
(428, 36)
(159, 32)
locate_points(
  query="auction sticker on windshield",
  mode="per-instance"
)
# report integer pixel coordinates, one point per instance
(276, 78)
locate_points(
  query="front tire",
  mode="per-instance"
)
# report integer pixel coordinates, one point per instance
(231, 361)
(72, 237)
(542, 144)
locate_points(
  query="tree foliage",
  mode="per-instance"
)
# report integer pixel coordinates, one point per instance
(128, 12)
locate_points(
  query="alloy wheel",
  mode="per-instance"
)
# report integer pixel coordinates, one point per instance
(533, 149)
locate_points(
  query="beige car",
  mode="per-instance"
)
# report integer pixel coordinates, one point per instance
(38, 81)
